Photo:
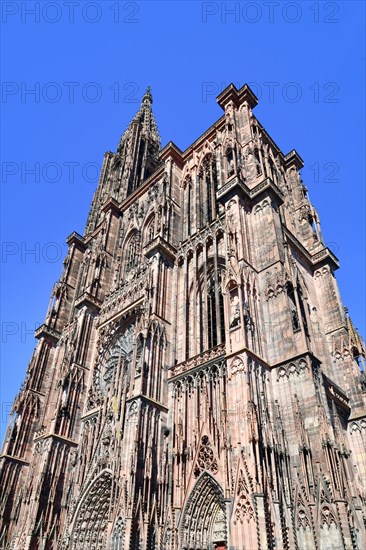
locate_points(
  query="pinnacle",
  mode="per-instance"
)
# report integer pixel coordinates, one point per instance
(147, 96)
(145, 117)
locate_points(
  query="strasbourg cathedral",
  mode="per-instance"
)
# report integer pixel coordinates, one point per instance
(197, 382)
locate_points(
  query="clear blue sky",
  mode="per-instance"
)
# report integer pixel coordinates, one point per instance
(89, 63)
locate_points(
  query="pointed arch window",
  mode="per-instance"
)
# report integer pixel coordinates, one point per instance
(189, 206)
(273, 169)
(230, 167)
(293, 308)
(137, 175)
(221, 311)
(297, 309)
(208, 188)
(258, 163)
(150, 231)
(234, 320)
(132, 253)
(211, 315)
(302, 310)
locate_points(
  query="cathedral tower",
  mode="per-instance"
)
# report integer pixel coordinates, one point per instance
(197, 382)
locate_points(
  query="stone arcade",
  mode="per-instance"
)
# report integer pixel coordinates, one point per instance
(197, 382)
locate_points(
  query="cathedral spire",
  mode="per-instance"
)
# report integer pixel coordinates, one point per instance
(145, 118)
(137, 157)
(140, 145)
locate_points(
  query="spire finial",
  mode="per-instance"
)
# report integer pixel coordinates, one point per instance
(147, 96)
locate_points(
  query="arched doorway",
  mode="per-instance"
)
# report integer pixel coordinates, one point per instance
(90, 525)
(203, 524)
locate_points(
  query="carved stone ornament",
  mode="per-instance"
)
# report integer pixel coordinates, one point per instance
(206, 459)
(121, 351)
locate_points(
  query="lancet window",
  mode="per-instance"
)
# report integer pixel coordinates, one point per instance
(132, 253)
(150, 233)
(293, 308)
(258, 163)
(211, 314)
(188, 205)
(230, 167)
(208, 187)
(273, 170)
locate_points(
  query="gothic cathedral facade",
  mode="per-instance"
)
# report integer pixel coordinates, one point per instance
(197, 382)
